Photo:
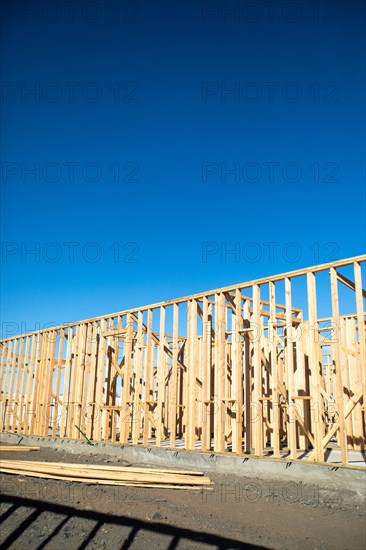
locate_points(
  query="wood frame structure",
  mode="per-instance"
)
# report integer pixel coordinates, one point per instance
(249, 368)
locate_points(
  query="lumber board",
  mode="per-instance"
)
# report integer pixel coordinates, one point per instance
(257, 361)
(174, 384)
(76, 466)
(289, 358)
(18, 448)
(237, 380)
(336, 350)
(274, 372)
(361, 329)
(108, 482)
(350, 284)
(314, 368)
(101, 474)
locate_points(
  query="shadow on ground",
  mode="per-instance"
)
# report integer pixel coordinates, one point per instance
(34, 509)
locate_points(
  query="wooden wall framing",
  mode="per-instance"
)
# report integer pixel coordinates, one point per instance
(229, 370)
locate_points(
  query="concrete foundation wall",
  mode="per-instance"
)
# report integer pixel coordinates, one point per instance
(348, 481)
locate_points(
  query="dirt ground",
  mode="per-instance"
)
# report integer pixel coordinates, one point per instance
(239, 513)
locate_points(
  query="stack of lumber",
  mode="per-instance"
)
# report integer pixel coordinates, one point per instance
(17, 448)
(108, 475)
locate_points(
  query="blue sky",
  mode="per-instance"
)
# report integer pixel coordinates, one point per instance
(162, 135)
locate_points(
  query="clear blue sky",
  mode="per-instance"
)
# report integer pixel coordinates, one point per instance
(139, 112)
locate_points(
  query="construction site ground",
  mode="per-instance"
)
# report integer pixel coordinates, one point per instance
(237, 513)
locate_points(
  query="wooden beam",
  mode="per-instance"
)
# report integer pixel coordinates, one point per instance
(361, 330)
(149, 390)
(336, 352)
(289, 365)
(174, 383)
(314, 369)
(257, 361)
(350, 284)
(274, 371)
(16, 448)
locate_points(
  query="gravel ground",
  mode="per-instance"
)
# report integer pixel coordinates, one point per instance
(239, 513)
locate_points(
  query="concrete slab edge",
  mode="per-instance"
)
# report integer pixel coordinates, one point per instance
(348, 479)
